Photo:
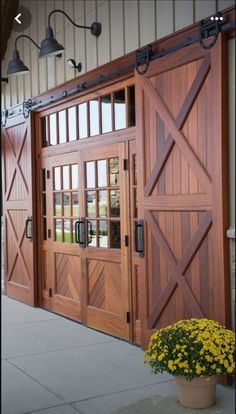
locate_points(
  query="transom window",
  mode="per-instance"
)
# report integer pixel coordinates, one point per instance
(97, 116)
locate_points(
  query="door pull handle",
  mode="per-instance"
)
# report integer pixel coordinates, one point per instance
(28, 229)
(80, 232)
(139, 237)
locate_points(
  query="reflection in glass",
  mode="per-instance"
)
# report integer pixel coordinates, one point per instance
(57, 204)
(58, 232)
(119, 105)
(90, 174)
(73, 230)
(53, 129)
(91, 231)
(66, 204)
(106, 113)
(102, 203)
(115, 203)
(62, 126)
(74, 177)
(57, 178)
(72, 123)
(67, 231)
(91, 204)
(102, 173)
(83, 126)
(114, 171)
(115, 234)
(134, 170)
(75, 204)
(135, 204)
(94, 117)
(66, 177)
(103, 233)
(131, 106)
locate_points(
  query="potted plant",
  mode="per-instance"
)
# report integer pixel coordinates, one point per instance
(196, 352)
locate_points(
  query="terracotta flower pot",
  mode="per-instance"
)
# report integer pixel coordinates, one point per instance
(198, 393)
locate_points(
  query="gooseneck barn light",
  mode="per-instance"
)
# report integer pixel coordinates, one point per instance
(16, 66)
(50, 46)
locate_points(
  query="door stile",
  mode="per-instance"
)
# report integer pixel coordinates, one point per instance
(140, 186)
(220, 183)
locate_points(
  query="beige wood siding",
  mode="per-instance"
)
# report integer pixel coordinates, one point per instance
(126, 26)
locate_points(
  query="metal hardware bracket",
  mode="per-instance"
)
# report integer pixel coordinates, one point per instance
(27, 107)
(143, 58)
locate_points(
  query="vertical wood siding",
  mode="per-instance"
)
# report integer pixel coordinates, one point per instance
(126, 26)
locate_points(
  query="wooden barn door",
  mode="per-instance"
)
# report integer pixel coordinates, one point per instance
(18, 210)
(182, 185)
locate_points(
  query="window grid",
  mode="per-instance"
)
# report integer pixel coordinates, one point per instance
(88, 120)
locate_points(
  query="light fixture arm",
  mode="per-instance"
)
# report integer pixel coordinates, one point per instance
(28, 37)
(95, 27)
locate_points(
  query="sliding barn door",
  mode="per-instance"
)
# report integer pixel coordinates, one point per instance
(182, 185)
(18, 210)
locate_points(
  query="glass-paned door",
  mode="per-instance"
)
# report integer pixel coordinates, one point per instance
(106, 224)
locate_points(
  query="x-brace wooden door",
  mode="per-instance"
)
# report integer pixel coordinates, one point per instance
(182, 187)
(18, 209)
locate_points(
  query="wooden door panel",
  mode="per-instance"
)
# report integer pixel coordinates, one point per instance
(178, 110)
(18, 206)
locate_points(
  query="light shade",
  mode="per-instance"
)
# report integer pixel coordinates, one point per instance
(16, 66)
(50, 46)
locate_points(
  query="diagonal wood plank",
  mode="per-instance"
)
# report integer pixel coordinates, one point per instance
(178, 136)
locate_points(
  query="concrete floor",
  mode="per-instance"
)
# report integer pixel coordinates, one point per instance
(51, 365)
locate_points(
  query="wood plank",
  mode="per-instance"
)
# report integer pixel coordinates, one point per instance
(183, 13)
(178, 202)
(147, 24)
(204, 9)
(33, 78)
(70, 33)
(50, 61)
(131, 33)
(117, 32)
(164, 18)
(91, 40)
(104, 52)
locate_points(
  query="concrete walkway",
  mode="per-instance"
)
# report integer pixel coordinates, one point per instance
(52, 365)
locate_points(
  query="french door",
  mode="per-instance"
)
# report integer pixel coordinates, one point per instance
(84, 231)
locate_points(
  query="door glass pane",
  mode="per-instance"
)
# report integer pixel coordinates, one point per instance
(75, 204)
(44, 132)
(91, 204)
(91, 231)
(75, 177)
(106, 113)
(94, 117)
(103, 233)
(115, 203)
(62, 126)
(72, 123)
(73, 230)
(66, 177)
(102, 173)
(67, 231)
(53, 129)
(57, 204)
(119, 104)
(115, 234)
(58, 232)
(131, 106)
(44, 228)
(114, 171)
(83, 126)
(102, 203)
(57, 178)
(90, 174)
(66, 204)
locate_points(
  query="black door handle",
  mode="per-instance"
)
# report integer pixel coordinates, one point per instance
(28, 229)
(139, 237)
(80, 232)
